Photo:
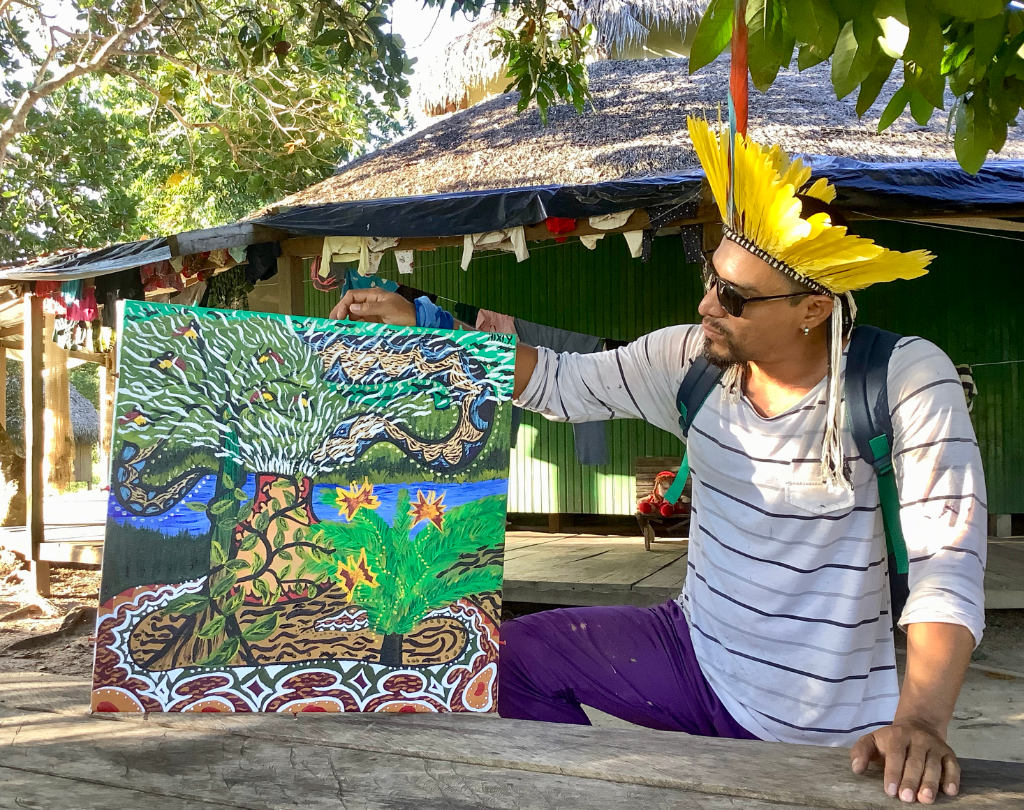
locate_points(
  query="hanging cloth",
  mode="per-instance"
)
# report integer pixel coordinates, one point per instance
(512, 240)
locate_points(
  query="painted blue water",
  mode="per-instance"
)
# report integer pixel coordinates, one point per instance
(180, 518)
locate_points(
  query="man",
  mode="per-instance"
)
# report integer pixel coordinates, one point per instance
(782, 631)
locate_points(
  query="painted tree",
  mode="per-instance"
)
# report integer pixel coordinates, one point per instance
(227, 400)
(217, 393)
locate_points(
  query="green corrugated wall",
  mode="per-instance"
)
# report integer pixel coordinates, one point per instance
(968, 305)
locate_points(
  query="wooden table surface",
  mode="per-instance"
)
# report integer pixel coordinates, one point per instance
(53, 755)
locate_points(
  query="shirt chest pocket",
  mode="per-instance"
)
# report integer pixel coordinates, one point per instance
(814, 498)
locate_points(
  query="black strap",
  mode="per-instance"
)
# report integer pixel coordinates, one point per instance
(698, 383)
(867, 402)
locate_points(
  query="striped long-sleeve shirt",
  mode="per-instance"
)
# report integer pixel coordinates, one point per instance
(786, 593)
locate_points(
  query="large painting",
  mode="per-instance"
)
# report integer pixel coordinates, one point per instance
(305, 515)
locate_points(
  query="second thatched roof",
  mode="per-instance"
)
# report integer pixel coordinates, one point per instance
(636, 128)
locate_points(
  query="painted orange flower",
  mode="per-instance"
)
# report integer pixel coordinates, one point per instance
(428, 507)
(355, 572)
(351, 500)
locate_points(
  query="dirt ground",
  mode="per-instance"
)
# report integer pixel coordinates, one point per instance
(69, 652)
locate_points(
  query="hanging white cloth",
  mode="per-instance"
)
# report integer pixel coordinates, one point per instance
(609, 222)
(404, 260)
(512, 240)
(635, 240)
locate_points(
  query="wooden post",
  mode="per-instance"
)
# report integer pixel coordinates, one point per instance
(107, 376)
(290, 285)
(60, 438)
(298, 285)
(34, 483)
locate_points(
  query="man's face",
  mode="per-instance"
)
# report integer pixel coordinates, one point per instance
(764, 329)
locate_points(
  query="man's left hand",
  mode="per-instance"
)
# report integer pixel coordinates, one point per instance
(915, 758)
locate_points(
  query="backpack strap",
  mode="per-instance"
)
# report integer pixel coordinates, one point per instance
(698, 383)
(867, 400)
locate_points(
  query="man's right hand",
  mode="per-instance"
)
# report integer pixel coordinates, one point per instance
(377, 306)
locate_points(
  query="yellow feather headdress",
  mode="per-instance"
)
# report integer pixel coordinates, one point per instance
(757, 197)
(765, 217)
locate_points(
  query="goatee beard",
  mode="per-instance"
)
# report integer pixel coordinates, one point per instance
(723, 360)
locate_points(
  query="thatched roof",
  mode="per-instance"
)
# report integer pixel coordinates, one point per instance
(85, 420)
(446, 81)
(636, 129)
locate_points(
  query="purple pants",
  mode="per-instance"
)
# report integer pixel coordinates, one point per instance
(634, 663)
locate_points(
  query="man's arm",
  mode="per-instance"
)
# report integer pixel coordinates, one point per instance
(917, 761)
(381, 306)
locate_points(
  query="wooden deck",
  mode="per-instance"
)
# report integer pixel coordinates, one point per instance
(53, 755)
(542, 567)
(578, 569)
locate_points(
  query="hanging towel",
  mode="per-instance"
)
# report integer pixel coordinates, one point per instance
(512, 240)
(354, 281)
(590, 437)
(590, 240)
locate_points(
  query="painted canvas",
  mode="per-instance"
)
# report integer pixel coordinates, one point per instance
(305, 515)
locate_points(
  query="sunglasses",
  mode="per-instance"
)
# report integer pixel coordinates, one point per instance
(731, 299)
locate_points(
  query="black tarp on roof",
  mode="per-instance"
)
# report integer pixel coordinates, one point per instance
(881, 189)
(876, 189)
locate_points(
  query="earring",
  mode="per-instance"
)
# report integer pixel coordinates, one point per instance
(807, 331)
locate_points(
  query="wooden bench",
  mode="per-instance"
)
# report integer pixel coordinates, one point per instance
(645, 469)
(52, 754)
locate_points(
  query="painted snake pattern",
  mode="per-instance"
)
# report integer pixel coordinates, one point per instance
(433, 363)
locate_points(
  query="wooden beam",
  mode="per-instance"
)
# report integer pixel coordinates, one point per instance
(11, 331)
(283, 280)
(297, 280)
(106, 416)
(225, 236)
(980, 223)
(308, 246)
(34, 483)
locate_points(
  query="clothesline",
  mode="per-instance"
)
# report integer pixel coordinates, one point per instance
(937, 226)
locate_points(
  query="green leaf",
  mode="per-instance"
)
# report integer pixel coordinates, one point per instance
(263, 591)
(222, 506)
(235, 565)
(897, 104)
(925, 43)
(988, 36)
(227, 481)
(214, 627)
(240, 495)
(328, 38)
(261, 521)
(257, 563)
(222, 655)
(187, 605)
(770, 45)
(844, 61)
(815, 24)
(225, 582)
(713, 34)
(920, 108)
(872, 84)
(264, 628)
(196, 506)
(217, 555)
(973, 135)
(248, 543)
(233, 603)
(969, 9)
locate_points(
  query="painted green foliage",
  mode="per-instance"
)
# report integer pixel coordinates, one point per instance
(456, 554)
